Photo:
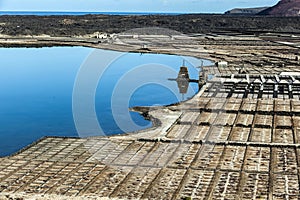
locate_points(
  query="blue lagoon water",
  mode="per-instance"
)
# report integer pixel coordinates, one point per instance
(37, 85)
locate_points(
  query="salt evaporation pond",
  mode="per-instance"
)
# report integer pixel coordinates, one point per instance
(37, 85)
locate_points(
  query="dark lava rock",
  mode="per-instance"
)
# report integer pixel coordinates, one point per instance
(191, 23)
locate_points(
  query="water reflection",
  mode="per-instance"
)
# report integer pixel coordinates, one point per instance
(36, 92)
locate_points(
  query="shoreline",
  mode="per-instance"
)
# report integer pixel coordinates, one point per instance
(35, 42)
(38, 42)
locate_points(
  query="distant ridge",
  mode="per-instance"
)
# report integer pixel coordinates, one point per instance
(284, 8)
(245, 11)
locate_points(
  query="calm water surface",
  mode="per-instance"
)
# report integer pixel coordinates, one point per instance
(36, 87)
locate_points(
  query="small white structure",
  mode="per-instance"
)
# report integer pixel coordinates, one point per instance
(97, 35)
(101, 35)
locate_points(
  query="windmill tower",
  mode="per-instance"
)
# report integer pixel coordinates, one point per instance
(202, 75)
(183, 79)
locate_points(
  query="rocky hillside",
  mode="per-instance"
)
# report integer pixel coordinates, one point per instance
(290, 8)
(245, 11)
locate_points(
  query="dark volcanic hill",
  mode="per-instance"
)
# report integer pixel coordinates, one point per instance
(285, 8)
(245, 11)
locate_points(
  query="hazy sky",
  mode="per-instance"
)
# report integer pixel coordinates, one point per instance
(202, 6)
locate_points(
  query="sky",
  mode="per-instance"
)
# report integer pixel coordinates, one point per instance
(186, 6)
